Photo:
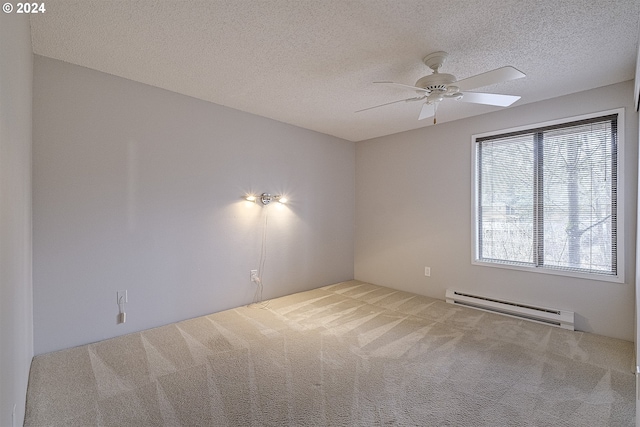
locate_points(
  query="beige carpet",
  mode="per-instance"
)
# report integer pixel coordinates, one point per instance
(350, 354)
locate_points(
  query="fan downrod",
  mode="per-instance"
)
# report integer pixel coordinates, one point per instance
(435, 82)
(435, 60)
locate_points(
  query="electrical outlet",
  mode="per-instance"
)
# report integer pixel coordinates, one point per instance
(427, 271)
(253, 275)
(122, 297)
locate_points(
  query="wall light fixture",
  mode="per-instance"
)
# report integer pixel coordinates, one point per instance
(266, 198)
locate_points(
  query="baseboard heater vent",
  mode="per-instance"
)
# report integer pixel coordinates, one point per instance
(548, 316)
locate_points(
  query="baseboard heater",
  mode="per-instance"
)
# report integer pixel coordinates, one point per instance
(548, 316)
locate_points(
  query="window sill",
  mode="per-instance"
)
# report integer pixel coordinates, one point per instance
(575, 274)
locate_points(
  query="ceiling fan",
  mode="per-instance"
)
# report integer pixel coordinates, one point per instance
(437, 87)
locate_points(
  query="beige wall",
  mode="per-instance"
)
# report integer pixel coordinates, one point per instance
(139, 188)
(413, 209)
(16, 319)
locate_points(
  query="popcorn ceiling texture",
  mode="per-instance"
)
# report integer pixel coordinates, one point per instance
(349, 354)
(312, 63)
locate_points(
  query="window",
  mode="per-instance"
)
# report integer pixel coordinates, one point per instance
(547, 198)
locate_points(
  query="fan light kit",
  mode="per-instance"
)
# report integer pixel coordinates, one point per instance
(437, 87)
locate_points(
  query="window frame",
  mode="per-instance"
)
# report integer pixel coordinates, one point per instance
(620, 250)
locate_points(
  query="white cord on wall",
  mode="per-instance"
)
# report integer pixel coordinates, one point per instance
(257, 299)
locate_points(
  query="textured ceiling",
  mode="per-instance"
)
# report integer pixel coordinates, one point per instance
(311, 63)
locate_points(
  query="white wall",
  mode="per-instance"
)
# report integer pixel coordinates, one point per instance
(16, 317)
(413, 209)
(139, 188)
(637, 277)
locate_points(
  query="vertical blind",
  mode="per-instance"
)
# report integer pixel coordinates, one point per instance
(547, 197)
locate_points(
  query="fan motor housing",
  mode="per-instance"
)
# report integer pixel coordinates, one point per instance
(436, 82)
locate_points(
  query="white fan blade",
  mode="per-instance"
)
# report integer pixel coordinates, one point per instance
(490, 77)
(489, 98)
(417, 98)
(428, 110)
(403, 86)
